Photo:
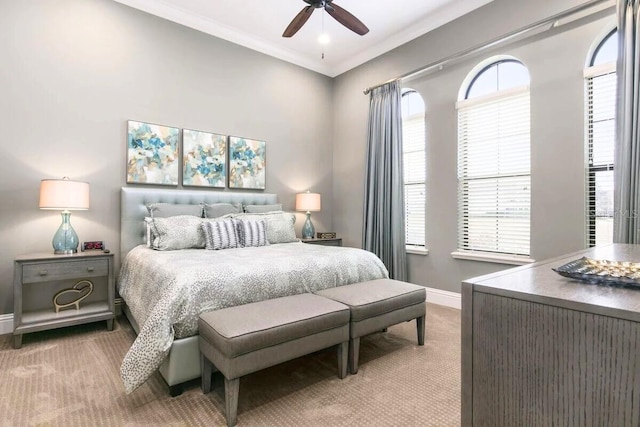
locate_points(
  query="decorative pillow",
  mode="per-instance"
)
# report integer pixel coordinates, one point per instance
(279, 225)
(220, 234)
(165, 210)
(263, 208)
(252, 233)
(217, 210)
(177, 232)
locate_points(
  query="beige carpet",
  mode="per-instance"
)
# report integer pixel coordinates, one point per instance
(70, 377)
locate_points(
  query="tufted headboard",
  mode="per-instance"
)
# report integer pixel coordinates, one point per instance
(134, 201)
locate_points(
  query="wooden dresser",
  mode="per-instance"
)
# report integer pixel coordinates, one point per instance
(539, 349)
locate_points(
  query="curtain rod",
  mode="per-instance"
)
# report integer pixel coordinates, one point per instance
(551, 21)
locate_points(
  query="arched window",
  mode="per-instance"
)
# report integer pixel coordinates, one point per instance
(600, 107)
(494, 161)
(413, 146)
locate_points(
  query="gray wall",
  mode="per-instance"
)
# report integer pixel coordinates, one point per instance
(555, 60)
(74, 71)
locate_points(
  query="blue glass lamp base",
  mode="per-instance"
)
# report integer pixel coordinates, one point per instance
(308, 230)
(65, 241)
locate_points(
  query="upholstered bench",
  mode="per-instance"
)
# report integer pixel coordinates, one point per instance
(376, 305)
(247, 338)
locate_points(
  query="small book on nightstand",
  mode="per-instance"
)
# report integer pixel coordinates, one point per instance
(326, 234)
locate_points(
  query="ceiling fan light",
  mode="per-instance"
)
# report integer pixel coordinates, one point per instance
(324, 38)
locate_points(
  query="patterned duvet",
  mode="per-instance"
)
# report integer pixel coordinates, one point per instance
(167, 290)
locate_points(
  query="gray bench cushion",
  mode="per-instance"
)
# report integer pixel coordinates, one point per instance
(376, 297)
(243, 329)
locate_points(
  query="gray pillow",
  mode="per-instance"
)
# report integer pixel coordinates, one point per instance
(279, 225)
(216, 210)
(165, 210)
(222, 234)
(177, 232)
(252, 233)
(263, 208)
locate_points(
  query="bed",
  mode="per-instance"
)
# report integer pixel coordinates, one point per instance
(165, 291)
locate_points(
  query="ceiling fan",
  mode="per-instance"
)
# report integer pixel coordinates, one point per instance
(338, 13)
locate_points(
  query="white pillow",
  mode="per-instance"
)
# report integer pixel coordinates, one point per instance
(148, 221)
(279, 225)
(177, 232)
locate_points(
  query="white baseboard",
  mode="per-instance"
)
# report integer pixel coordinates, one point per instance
(446, 298)
(434, 296)
(6, 323)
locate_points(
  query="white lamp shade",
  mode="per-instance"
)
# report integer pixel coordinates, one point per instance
(64, 194)
(308, 202)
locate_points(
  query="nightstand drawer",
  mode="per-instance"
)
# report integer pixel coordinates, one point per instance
(328, 242)
(334, 241)
(33, 273)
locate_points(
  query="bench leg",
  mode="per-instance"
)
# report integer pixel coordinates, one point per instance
(420, 327)
(206, 367)
(231, 390)
(354, 352)
(343, 353)
(17, 341)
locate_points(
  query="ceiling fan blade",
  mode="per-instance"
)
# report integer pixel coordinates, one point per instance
(347, 19)
(298, 21)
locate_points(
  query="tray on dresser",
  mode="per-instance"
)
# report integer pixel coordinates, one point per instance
(602, 271)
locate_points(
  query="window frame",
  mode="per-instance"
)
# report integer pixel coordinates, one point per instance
(416, 248)
(592, 169)
(479, 72)
(466, 102)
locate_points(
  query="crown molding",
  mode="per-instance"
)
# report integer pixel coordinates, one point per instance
(184, 17)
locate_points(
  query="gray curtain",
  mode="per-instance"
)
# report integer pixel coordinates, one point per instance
(627, 152)
(383, 228)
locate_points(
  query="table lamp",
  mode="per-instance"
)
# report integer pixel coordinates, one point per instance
(65, 195)
(309, 202)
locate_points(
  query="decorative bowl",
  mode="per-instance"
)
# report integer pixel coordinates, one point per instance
(602, 271)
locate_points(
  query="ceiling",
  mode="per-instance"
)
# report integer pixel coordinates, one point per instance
(258, 25)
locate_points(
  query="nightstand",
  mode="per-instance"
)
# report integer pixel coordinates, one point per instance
(37, 278)
(337, 241)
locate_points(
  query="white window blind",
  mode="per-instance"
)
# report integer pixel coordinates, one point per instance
(413, 140)
(494, 173)
(600, 134)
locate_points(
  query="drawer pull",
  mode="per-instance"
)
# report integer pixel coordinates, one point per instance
(43, 272)
(90, 268)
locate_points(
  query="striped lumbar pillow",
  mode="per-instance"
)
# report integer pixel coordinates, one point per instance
(252, 233)
(220, 234)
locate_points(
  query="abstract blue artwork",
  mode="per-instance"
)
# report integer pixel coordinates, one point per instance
(152, 154)
(204, 159)
(247, 163)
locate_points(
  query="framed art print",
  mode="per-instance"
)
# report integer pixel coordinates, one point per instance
(152, 154)
(247, 163)
(204, 159)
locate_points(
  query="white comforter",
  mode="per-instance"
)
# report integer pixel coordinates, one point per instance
(167, 290)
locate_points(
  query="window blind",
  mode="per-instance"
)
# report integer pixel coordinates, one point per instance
(600, 135)
(494, 173)
(413, 140)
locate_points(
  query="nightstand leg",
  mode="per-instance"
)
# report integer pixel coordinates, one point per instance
(17, 341)
(110, 325)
